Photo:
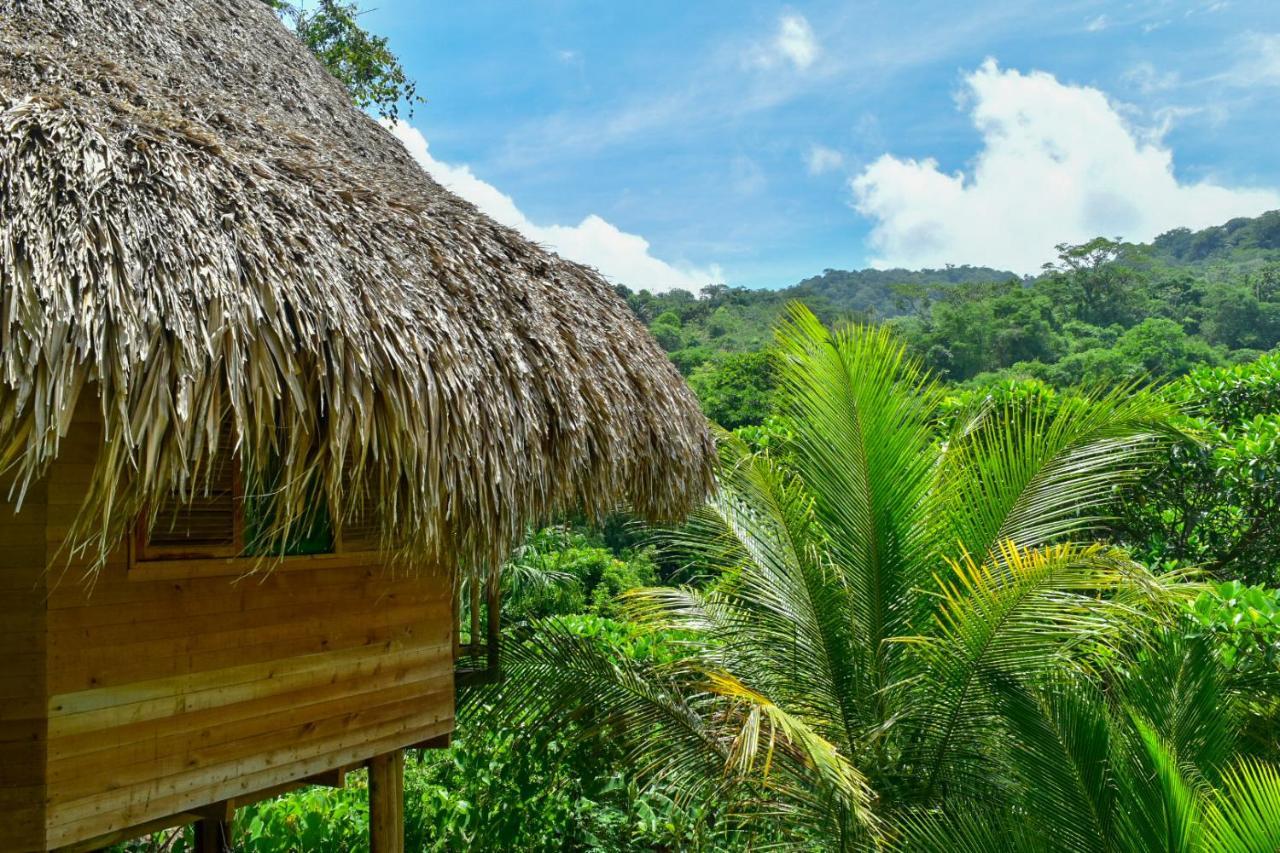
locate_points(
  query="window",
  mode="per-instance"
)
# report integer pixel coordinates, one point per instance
(227, 520)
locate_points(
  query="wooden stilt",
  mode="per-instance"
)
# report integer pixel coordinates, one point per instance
(213, 836)
(386, 803)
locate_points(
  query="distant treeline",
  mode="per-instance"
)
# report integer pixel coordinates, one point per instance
(1104, 311)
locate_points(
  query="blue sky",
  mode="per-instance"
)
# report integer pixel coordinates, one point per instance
(669, 143)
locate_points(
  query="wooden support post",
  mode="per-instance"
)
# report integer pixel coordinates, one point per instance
(213, 836)
(475, 613)
(386, 803)
(494, 634)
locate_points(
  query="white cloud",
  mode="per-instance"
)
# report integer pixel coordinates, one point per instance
(1097, 24)
(1145, 77)
(1259, 63)
(822, 159)
(623, 258)
(794, 44)
(1058, 162)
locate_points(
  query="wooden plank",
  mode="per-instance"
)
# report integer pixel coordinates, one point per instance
(386, 803)
(106, 814)
(222, 811)
(440, 742)
(23, 682)
(70, 672)
(103, 708)
(112, 585)
(204, 742)
(203, 632)
(99, 843)
(152, 570)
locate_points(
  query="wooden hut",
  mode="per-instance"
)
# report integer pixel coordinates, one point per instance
(267, 392)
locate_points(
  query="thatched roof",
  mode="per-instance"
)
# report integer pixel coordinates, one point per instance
(194, 219)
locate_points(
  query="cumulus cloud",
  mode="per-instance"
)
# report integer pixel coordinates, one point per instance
(1058, 162)
(822, 159)
(622, 257)
(1098, 24)
(793, 44)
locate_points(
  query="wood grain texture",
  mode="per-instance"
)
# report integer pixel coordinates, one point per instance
(141, 696)
(386, 803)
(23, 725)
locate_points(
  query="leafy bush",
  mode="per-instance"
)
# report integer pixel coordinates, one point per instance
(562, 571)
(1214, 501)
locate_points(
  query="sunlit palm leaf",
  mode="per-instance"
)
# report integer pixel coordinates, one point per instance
(1013, 619)
(1244, 817)
(865, 451)
(1035, 474)
(782, 610)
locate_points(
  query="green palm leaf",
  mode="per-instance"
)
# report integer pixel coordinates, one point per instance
(1033, 473)
(865, 451)
(1015, 618)
(1244, 816)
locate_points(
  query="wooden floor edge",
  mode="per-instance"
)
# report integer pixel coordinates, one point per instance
(223, 810)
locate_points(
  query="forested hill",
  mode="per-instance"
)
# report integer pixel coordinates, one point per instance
(1238, 241)
(693, 328)
(882, 292)
(1105, 311)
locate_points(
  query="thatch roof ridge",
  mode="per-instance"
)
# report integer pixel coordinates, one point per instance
(195, 220)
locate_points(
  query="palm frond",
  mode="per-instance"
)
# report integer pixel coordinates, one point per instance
(1014, 618)
(1036, 473)
(765, 724)
(1178, 688)
(865, 451)
(970, 829)
(1244, 816)
(1167, 814)
(780, 613)
(1061, 754)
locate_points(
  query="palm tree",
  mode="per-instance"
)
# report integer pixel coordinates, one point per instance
(914, 639)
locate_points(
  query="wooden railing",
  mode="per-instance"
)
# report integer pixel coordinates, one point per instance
(477, 631)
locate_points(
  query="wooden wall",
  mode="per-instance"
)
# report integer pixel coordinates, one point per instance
(172, 686)
(23, 728)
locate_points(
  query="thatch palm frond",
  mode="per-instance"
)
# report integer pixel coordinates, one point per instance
(183, 247)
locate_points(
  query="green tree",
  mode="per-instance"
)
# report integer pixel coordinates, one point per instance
(667, 336)
(918, 642)
(736, 389)
(1214, 500)
(1094, 282)
(362, 62)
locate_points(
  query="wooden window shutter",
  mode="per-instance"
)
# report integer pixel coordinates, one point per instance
(210, 524)
(362, 532)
